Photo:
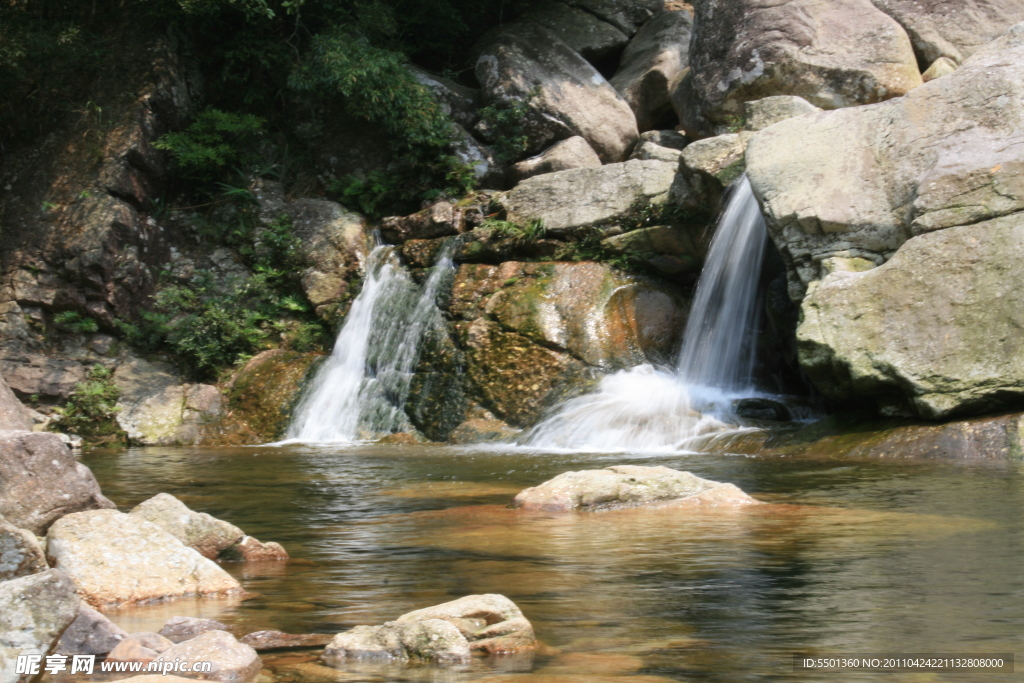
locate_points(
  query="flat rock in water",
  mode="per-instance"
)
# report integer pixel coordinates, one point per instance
(232, 661)
(116, 558)
(180, 629)
(625, 486)
(278, 640)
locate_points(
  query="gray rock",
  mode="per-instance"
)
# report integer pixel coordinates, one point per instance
(431, 639)
(198, 530)
(708, 166)
(626, 15)
(585, 197)
(12, 413)
(488, 171)
(595, 40)
(652, 67)
(232, 661)
(678, 241)
(157, 408)
(768, 111)
(566, 95)
(649, 151)
(90, 633)
(954, 30)
(40, 481)
(277, 640)
(34, 611)
(939, 68)
(629, 486)
(20, 552)
(857, 183)
(37, 374)
(490, 623)
(572, 152)
(665, 138)
(459, 102)
(143, 647)
(922, 339)
(180, 629)
(833, 54)
(145, 562)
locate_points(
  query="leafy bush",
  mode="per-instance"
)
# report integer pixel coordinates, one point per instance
(73, 321)
(506, 122)
(91, 411)
(215, 142)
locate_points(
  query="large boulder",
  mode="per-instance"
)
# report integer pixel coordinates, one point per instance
(652, 67)
(491, 623)
(201, 532)
(566, 96)
(157, 408)
(572, 152)
(857, 183)
(585, 197)
(34, 611)
(90, 633)
(597, 41)
(625, 486)
(953, 30)
(40, 481)
(116, 558)
(932, 332)
(20, 552)
(230, 661)
(833, 53)
(626, 15)
(12, 413)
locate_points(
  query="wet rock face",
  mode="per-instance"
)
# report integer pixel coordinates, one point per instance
(834, 54)
(146, 563)
(262, 394)
(140, 647)
(34, 611)
(277, 640)
(954, 30)
(927, 341)
(629, 486)
(858, 183)
(40, 481)
(566, 95)
(596, 40)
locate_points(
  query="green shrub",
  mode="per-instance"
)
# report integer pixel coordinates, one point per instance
(91, 411)
(507, 123)
(213, 144)
(72, 321)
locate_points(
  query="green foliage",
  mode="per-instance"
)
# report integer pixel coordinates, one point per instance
(91, 411)
(215, 142)
(507, 123)
(523, 234)
(73, 321)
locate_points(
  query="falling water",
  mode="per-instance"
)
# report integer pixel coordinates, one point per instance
(645, 408)
(361, 389)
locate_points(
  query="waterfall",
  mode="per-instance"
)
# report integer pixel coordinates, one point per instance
(646, 408)
(360, 391)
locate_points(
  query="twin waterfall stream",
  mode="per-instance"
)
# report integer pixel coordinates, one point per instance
(360, 391)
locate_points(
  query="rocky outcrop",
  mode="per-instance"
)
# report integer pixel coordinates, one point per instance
(857, 183)
(203, 533)
(625, 486)
(12, 413)
(922, 340)
(90, 633)
(262, 394)
(20, 552)
(652, 67)
(572, 152)
(156, 408)
(585, 197)
(445, 633)
(232, 661)
(334, 244)
(34, 611)
(952, 30)
(116, 559)
(566, 96)
(40, 481)
(833, 54)
(759, 114)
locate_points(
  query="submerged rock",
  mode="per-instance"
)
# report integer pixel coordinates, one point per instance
(629, 486)
(232, 661)
(116, 558)
(90, 633)
(251, 550)
(180, 629)
(198, 530)
(34, 611)
(277, 640)
(566, 96)
(40, 481)
(833, 54)
(20, 552)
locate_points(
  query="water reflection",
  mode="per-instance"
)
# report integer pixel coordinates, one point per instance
(850, 557)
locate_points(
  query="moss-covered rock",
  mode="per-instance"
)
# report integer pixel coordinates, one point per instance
(262, 395)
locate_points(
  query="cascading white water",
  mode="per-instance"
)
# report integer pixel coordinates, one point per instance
(360, 391)
(645, 408)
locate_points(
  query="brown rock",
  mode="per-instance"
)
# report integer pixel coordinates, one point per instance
(277, 640)
(232, 661)
(491, 623)
(262, 394)
(439, 220)
(250, 550)
(90, 633)
(40, 481)
(140, 647)
(180, 629)
(12, 413)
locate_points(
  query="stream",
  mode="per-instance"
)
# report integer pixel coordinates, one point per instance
(853, 558)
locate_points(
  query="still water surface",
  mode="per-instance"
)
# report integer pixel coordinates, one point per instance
(852, 557)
